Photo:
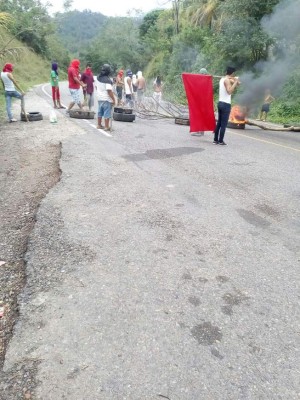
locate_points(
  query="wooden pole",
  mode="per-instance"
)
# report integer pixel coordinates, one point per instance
(23, 108)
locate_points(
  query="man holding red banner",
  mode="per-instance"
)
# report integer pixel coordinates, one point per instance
(227, 86)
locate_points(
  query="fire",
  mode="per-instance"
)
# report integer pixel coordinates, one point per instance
(238, 115)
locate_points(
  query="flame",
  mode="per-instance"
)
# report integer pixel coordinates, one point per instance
(238, 115)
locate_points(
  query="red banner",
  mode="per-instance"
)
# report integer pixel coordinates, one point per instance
(200, 96)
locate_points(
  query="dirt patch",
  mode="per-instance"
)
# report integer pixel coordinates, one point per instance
(29, 167)
(26, 176)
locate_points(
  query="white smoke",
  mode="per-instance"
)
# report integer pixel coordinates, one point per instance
(284, 26)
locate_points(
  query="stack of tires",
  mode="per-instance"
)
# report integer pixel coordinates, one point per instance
(123, 114)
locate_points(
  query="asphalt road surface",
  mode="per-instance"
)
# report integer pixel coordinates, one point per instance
(164, 267)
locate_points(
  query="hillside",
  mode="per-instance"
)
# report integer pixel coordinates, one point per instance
(30, 69)
(88, 25)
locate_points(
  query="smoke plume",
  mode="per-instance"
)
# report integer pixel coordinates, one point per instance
(283, 24)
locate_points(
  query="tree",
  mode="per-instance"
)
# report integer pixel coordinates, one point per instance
(203, 12)
(32, 23)
(149, 22)
(117, 44)
(6, 49)
(67, 5)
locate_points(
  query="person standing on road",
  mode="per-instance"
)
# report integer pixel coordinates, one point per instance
(105, 95)
(268, 99)
(120, 86)
(134, 87)
(128, 88)
(227, 85)
(10, 85)
(54, 81)
(87, 78)
(157, 95)
(141, 87)
(74, 84)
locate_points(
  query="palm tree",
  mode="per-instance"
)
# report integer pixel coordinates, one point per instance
(203, 12)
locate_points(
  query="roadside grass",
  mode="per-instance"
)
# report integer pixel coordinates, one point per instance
(30, 69)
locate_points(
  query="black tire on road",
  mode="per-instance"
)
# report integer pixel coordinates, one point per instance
(32, 116)
(82, 114)
(234, 125)
(182, 121)
(123, 110)
(123, 117)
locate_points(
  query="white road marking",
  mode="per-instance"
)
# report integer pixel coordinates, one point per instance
(98, 130)
(86, 120)
(265, 141)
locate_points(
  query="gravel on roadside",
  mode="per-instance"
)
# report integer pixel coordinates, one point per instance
(29, 168)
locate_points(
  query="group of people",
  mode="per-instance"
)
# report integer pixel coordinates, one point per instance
(83, 84)
(128, 90)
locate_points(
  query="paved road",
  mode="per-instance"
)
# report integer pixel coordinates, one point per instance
(276, 138)
(162, 266)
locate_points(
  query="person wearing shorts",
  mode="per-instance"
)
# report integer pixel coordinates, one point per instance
(74, 84)
(268, 99)
(105, 96)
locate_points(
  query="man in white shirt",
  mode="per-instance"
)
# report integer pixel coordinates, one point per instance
(128, 88)
(227, 86)
(105, 96)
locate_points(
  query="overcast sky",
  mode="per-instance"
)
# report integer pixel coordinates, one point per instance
(110, 7)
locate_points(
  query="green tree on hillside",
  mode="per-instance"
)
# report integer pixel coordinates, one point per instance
(203, 12)
(117, 44)
(32, 23)
(77, 29)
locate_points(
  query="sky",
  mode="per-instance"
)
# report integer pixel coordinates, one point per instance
(110, 8)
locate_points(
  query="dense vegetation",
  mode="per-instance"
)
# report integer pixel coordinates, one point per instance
(262, 39)
(76, 29)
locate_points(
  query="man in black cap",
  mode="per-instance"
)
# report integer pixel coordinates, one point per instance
(105, 97)
(227, 86)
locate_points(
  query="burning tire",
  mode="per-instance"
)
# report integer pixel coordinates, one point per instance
(122, 110)
(32, 116)
(237, 118)
(123, 117)
(235, 125)
(182, 121)
(80, 114)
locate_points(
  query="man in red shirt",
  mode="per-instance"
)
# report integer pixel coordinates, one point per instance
(74, 84)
